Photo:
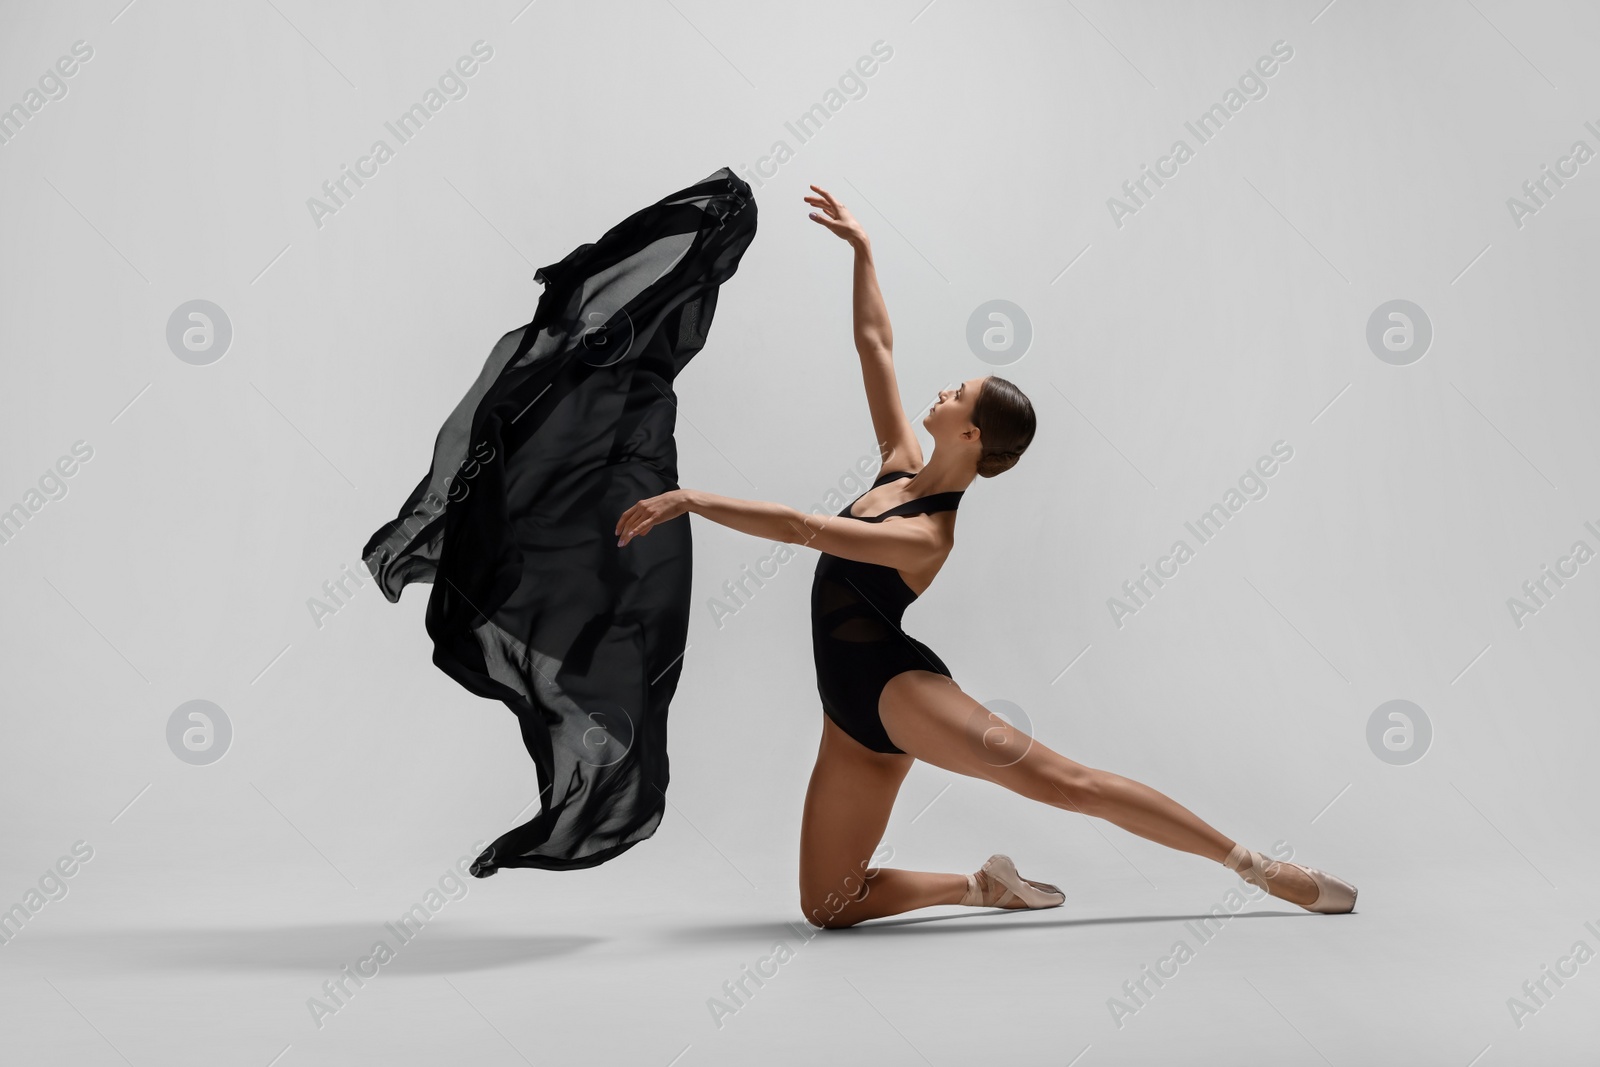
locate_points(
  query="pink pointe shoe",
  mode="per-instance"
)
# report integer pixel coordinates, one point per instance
(1335, 896)
(1006, 885)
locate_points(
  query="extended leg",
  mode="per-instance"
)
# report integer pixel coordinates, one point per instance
(931, 718)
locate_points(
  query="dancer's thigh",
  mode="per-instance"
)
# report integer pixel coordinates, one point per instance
(847, 807)
(934, 720)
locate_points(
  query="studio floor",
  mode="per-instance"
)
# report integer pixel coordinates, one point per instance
(674, 958)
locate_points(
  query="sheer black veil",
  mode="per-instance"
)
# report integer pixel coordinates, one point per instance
(569, 423)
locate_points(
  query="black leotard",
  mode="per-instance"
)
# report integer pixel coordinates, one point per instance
(856, 637)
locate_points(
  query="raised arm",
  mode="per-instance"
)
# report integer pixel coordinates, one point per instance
(904, 545)
(874, 338)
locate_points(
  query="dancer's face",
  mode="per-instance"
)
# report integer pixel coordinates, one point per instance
(951, 415)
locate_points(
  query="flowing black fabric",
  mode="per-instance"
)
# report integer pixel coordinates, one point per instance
(569, 424)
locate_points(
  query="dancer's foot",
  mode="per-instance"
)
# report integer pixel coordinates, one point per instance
(984, 892)
(998, 885)
(1307, 887)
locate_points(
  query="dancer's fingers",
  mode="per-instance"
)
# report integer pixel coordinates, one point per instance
(638, 531)
(635, 522)
(630, 517)
(814, 202)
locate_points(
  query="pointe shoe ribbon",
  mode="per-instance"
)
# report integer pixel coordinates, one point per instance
(1002, 874)
(1335, 896)
(974, 896)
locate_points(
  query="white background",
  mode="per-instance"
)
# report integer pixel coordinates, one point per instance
(1229, 313)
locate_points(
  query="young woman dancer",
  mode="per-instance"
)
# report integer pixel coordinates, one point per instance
(887, 699)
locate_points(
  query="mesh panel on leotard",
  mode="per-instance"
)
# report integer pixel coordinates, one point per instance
(846, 616)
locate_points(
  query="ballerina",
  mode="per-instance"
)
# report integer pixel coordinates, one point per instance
(887, 699)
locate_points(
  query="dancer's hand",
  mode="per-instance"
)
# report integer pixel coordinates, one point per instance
(835, 216)
(643, 516)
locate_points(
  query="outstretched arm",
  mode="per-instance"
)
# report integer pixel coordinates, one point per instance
(874, 338)
(903, 545)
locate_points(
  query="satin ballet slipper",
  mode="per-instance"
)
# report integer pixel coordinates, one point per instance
(1335, 896)
(1011, 886)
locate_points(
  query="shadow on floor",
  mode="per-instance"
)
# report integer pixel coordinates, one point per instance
(321, 948)
(1022, 919)
(985, 922)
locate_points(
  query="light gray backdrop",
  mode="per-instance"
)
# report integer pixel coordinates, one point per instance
(1169, 340)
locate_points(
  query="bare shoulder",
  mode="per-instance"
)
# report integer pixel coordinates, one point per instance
(943, 527)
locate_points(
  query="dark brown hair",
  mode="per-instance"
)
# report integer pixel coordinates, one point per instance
(1004, 418)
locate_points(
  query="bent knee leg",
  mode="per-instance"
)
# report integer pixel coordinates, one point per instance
(830, 912)
(833, 903)
(818, 915)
